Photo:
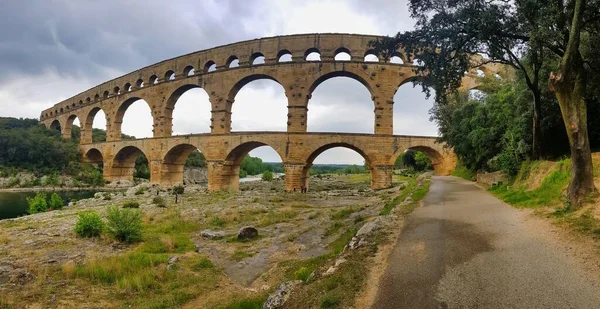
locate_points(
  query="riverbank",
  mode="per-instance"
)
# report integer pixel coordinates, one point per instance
(50, 189)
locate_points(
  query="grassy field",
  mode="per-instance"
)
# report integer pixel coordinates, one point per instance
(173, 266)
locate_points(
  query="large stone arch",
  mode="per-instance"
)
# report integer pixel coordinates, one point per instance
(93, 156)
(87, 124)
(225, 174)
(122, 165)
(169, 106)
(120, 114)
(56, 125)
(361, 77)
(173, 163)
(442, 159)
(235, 89)
(313, 153)
(69, 125)
(339, 70)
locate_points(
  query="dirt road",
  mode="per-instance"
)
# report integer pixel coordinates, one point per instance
(466, 249)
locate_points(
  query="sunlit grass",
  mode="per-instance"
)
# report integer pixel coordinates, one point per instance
(549, 193)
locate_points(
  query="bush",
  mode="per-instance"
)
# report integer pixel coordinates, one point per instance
(37, 203)
(267, 176)
(178, 189)
(124, 225)
(89, 224)
(52, 180)
(159, 201)
(56, 202)
(131, 204)
(13, 182)
(140, 191)
(302, 274)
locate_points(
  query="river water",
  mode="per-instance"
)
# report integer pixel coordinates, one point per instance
(14, 204)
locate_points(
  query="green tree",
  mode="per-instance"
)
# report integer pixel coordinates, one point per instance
(56, 202)
(89, 224)
(124, 225)
(267, 176)
(37, 203)
(523, 34)
(195, 159)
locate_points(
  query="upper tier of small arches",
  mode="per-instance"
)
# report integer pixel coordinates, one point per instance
(293, 48)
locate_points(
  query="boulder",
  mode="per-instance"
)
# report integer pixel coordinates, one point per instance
(210, 234)
(368, 228)
(172, 262)
(247, 232)
(280, 295)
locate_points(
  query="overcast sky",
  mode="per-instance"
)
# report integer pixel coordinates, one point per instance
(51, 50)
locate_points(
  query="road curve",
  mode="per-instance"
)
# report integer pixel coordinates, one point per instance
(466, 249)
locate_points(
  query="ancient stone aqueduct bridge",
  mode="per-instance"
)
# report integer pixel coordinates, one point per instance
(161, 84)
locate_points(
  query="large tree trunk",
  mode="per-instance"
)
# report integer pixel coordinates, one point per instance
(574, 112)
(569, 87)
(536, 144)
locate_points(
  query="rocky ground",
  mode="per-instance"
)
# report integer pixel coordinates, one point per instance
(190, 254)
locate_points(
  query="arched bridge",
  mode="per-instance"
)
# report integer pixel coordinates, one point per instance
(222, 72)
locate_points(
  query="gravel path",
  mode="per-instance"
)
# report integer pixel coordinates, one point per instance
(466, 249)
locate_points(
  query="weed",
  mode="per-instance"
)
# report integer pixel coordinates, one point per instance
(302, 274)
(338, 245)
(203, 263)
(345, 213)
(124, 225)
(250, 303)
(159, 201)
(89, 224)
(239, 255)
(140, 190)
(273, 217)
(329, 302)
(131, 204)
(218, 222)
(334, 228)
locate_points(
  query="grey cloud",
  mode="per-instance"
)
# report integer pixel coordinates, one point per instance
(83, 37)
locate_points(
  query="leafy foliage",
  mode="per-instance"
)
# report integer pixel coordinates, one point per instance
(159, 201)
(415, 160)
(89, 224)
(178, 189)
(131, 204)
(255, 166)
(56, 202)
(267, 176)
(195, 159)
(124, 225)
(26, 144)
(37, 203)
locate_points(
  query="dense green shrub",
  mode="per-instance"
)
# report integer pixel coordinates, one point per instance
(37, 203)
(124, 225)
(52, 180)
(131, 204)
(56, 202)
(89, 224)
(13, 182)
(140, 190)
(159, 201)
(179, 189)
(267, 176)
